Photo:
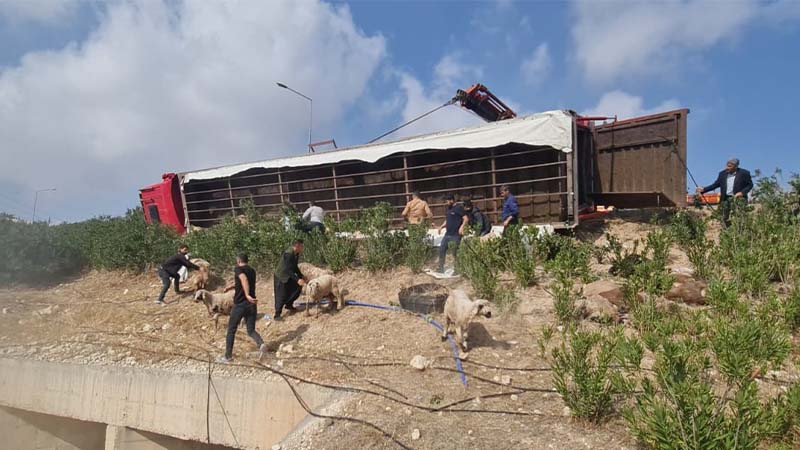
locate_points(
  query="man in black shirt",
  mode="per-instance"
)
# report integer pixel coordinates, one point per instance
(288, 280)
(454, 224)
(477, 219)
(244, 307)
(170, 270)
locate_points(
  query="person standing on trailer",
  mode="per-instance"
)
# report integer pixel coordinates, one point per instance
(454, 224)
(288, 280)
(315, 217)
(510, 207)
(169, 271)
(245, 306)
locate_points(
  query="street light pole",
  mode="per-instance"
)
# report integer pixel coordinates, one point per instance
(36, 199)
(310, 110)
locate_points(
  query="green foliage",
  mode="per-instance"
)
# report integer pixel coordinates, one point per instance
(585, 376)
(382, 248)
(340, 252)
(571, 258)
(689, 232)
(522, 253)
(564, 300)
(480, 263)
(419, 249)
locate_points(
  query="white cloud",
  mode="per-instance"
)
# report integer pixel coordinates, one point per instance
(45, 11)
(624, 106)
(536, 67)
(165, 86)
(619, 39)
(449, 75)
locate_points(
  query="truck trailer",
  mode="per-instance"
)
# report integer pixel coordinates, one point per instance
(558, 164)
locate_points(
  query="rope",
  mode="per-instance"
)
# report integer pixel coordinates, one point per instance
(450, 102)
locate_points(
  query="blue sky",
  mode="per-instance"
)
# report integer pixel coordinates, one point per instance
(99, 99)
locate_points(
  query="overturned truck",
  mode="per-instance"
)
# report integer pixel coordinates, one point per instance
(558, 164)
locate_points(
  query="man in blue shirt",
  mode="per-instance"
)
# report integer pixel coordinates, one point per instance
(510, 207)
(454, 224)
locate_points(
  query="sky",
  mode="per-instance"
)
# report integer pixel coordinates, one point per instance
(98, 99)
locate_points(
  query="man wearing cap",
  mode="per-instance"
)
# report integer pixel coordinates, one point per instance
(733, 183)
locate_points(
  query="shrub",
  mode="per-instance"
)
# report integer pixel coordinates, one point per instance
(571, 259)
(584, 375)
(480, 263)
(522, 253)
(340, 253)
(419, 248)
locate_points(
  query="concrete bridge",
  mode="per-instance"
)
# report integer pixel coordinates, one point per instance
(60, 406)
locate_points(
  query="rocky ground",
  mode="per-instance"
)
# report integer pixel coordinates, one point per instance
(110, 319)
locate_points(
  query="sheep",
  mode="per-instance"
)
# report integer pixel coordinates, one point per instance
(324, 286)
(459, 311)
(311, 271)
(201, 277)
(217, 303)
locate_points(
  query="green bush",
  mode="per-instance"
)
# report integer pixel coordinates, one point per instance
(585, 376)
(480, 262)
(419, 248)
(521, 253)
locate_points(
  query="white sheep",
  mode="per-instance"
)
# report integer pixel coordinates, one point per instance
(459, 310)
(324, 286)
(217, 303)
(311, 271)
(201, 277)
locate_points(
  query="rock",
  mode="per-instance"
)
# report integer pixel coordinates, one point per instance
(125, 293)
(280, 363)
(415, 435)
(566, 412)
(5, 310)
(47, 311)
(537, 412)
(598, 310)
(469, 432)
(276, 447)
(420, 362)
(327, 423)
(513, 342)
(288, 348)
(380, 349)
(165, 327)
(605, 290)
(514, 397)
(147, 328)
(560, 328)
(688, 290)
(505, 380)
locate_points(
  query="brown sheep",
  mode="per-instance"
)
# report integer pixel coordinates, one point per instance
(324, 286)
(217, 303)
(459, 310)
(200, 278)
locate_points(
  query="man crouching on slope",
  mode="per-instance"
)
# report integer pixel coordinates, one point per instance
(169, 271)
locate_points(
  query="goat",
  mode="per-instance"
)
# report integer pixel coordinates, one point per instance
(459, 310)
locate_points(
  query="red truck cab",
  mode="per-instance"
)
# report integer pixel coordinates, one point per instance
(162, 203)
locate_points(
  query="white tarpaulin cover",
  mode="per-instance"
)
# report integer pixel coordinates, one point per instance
(551, 129)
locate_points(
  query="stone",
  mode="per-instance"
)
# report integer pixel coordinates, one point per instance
(5, 310)
(505, 380)
(598, 310)
(420, 362)
(688, 290)
(165, 327)
(276, 447)
(380, 349)
(537, 412)
(514, 397)
(415, 435)
(147, 328)
(125, 292)
(566, 412)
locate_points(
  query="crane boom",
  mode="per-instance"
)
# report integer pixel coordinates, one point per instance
(482, 102)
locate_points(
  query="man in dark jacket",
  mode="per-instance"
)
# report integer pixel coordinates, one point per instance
(477, 219)
(245, 306)
(288, 280)
(734, 183)
(454, 223)
(169, 269)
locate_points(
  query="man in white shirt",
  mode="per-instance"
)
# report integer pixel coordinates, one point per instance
(315, 216)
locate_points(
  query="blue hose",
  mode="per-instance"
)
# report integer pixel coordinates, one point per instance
(426, 319)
